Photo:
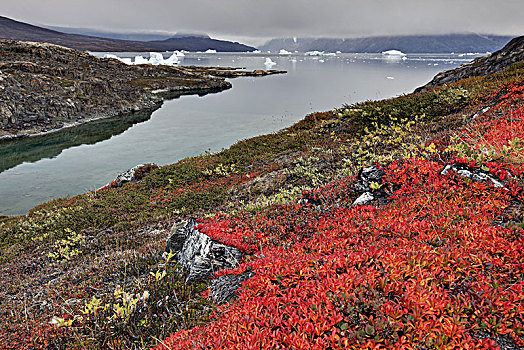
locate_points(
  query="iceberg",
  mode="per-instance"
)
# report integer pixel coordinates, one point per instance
(320, 53)
(314, 53)
(393, 53)
(172, 60)
(211, 51)
(269, 63)
(257, 51)
(140, 60)
(127, 61)
(156, 58)
(110, 55)
(284, 52)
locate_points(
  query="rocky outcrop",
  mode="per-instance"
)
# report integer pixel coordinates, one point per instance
(369, 182)
(474, 173)
(496, 62)
(197, 253)
(133, 174)
(45, 87)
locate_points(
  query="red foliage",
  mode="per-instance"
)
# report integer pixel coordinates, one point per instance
(431, 269)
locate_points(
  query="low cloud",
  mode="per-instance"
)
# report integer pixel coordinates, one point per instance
(255, 20)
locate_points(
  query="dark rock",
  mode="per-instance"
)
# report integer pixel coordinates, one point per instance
(198, 254)
(503, 341)
(224, 288)
(365, 178)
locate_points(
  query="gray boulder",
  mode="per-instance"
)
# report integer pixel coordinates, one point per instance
(197, 253)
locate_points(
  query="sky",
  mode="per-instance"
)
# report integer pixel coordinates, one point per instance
(255, 21)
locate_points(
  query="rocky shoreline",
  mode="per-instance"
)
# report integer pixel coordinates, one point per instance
(46, 88)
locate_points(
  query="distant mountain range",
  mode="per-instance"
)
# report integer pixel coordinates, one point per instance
(14, 30)
(459, 43)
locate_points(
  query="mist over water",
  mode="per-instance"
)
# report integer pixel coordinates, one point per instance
(78, 160)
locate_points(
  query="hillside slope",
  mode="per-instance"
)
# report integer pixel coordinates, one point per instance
(392, 224)
(510, 54)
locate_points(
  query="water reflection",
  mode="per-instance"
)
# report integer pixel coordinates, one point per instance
(32, 149)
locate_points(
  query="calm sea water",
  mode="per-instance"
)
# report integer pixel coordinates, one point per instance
(82, 159)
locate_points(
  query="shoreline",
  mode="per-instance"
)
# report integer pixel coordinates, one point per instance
(165, 96)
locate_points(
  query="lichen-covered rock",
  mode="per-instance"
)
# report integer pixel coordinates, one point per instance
(197, 253)
(473, 173)
(369, 181)
(224, 288)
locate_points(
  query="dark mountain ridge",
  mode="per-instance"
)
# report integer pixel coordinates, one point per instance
(19, 31)
(408, 44)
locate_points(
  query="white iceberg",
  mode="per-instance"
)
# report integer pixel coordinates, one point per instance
(284, 52)
(393, 53)
(140, 60)
(320, 53)
(156, 58)
(126, 60)
(110, 55)
(314, 53)
(269, 63)
(172, 60)
(257, 51)
(211, 51)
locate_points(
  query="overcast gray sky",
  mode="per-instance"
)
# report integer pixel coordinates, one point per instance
(253, 21)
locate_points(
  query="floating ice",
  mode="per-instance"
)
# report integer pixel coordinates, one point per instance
(284, 52)
(339, 52)
(319, 53)
(141, 60)
(269, 63)
(211, 51)
(257, 51)
(390, 78)
(321, 61)
(155, 58)
(393, 53)
(314, 53)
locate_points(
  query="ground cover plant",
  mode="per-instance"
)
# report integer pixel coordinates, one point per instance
(436, 262)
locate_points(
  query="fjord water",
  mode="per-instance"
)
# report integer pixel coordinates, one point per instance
(82, 159)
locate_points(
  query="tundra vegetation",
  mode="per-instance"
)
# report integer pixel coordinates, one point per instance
(436, 263)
